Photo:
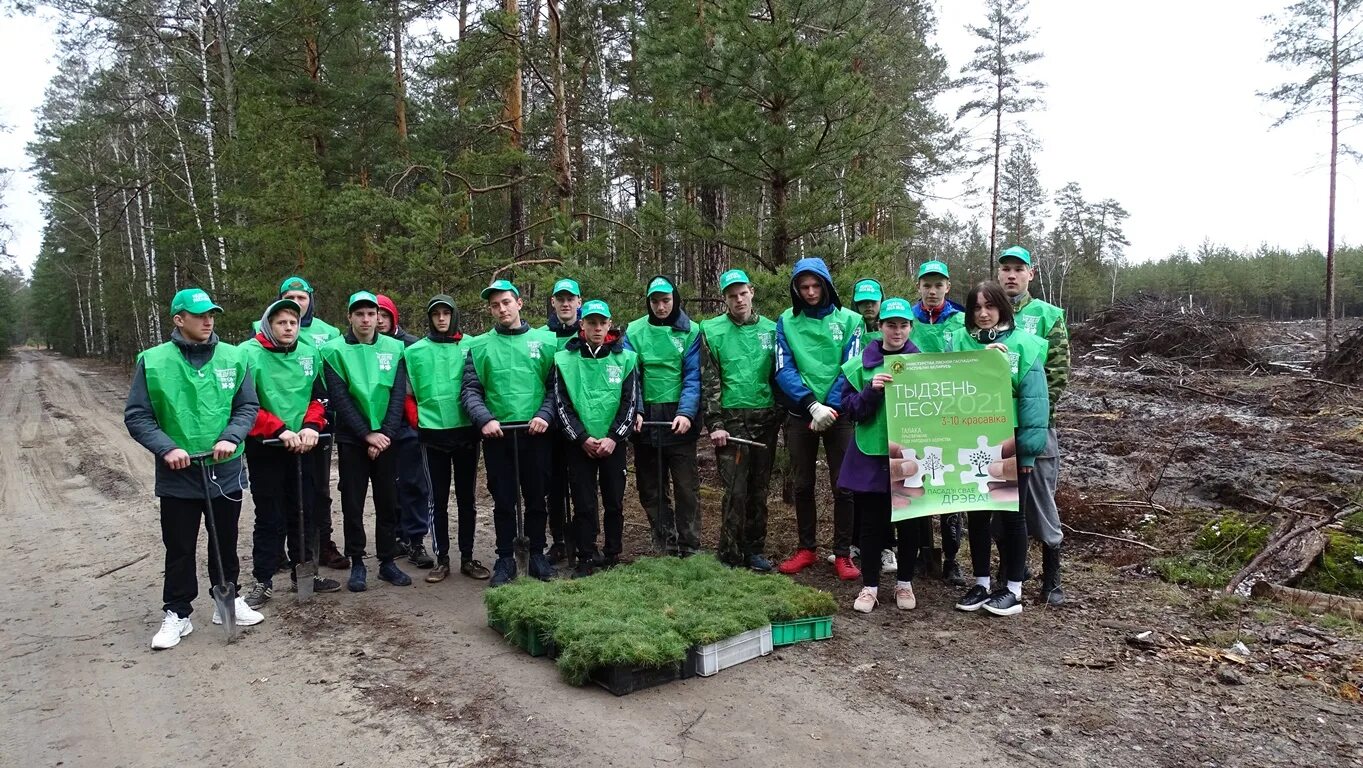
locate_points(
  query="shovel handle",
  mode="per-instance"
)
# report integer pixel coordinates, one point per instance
(752, 443)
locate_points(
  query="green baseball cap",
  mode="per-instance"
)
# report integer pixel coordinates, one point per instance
(933, 268)
(895, 308)
(499, 285)
(596, 307)
(566, 285)
(359, 298)
(1019, 253)
(660, 285)
(282, 304)
(867, 290)
(294, 283)
(195, 301)
(732, 277)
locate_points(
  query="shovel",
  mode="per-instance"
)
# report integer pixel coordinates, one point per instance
(224, 595)
(522, 543)
(658, 426)
(305, 571)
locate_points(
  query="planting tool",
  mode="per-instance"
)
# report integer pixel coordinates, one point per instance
(224, 595)
(522, 541)
(305, 571)
(752, 443)
(662, 492)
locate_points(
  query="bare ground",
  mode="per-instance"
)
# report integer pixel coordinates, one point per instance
(412, 676)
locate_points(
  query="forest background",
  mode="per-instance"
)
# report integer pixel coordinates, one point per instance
(413, 147)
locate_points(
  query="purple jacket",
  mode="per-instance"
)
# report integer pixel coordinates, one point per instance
(861, 473)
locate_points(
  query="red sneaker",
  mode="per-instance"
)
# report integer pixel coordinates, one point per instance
(845, 569)
(802, 559)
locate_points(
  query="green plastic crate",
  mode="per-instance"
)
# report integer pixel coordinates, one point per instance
(800, 630)
(528, 639)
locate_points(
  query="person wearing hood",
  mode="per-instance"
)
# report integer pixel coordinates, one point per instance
(449, 443)
(1047, 322)
(367, 380)
(935, 319)
(813, 339)
(288, 379)
(506, 381)
(596, 395)
(315, 332)
(414, 492)
(193, 395)
(668, 345)
(565, 305)
(866, 465)
(740, 358)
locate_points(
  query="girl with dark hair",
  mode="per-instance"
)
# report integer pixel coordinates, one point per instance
(989, 325)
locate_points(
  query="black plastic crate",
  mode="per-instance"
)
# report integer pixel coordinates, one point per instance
(621, 679)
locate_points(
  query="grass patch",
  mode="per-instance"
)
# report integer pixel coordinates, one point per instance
(650, 612)
(1220, 549)
(1340, 570)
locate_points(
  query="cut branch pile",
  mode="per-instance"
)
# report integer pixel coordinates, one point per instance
(1345, 364)
(1292, 548)
(1142, 326)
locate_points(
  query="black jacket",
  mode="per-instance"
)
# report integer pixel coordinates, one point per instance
(472, 394)
(570, 424)
(351, 425)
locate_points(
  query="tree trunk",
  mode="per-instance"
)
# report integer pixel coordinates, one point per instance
(562, 159)
(994, 199)
(780, 237)
(229, 76)
(312, 63)
(1334, 164)
(512, 118)
(209, 142)
(463, 18)
(399, 82)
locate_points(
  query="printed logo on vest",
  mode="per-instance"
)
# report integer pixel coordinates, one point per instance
(318, 339)
(534, 347)
(227, 377)
(677, 342)
(615, 374)
(306, 364)
(836, 332)
(1029, 323)
(385, 361)
(768, 339)
(1013, 362)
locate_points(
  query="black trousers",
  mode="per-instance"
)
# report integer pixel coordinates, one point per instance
(561, 451)
(500, 456)
(321, 485)
(803, 444)
(414, 492)
(358, 473)
(587, 476)
(180, 533)
(457, 462)
(874, 509)
(676, 528)
(275, 488)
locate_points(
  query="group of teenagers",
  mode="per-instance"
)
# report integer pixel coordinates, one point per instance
(551, 410)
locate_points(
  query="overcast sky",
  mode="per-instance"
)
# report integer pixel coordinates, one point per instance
(1152, 103)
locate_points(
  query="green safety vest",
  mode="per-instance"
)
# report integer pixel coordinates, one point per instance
(817, 345)
(594, 385)
(193, 406)
(661, 349)
(1038, 317)
(746, 356)
(435, 371)
(1024, 350)
(284, 380)
(932, 337)
(316, 335)
(368, 370)
(513, 369)
(873, 437)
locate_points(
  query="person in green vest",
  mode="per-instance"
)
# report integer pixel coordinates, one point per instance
(990, 325)
(740, 360)
(936, 317)
(288, 378)
(865, 469)
(506, 383)
(596, 395)
(866, 297)
(668, 344)
(1047, 322)
(313, 331)
(565, 303)
(814, 337)
(367, 380)
(193, 395)
(449, 443)
(415, 516)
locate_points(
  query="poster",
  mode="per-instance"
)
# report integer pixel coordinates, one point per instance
(951, 423)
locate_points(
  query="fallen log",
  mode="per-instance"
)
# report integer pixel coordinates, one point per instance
(1316, 602)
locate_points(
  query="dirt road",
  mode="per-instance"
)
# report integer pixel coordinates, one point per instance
(394, 676)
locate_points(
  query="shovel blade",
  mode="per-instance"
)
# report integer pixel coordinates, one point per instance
(307, 572)
(225, 599)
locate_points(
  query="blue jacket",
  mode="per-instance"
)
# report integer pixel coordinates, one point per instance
(791, 391)
(688, 404)
(920, 314)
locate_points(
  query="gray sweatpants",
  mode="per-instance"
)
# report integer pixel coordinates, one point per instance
(1043, 519)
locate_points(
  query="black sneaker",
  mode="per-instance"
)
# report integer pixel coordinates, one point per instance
(558, 552)
(951, 574)
(759, 563)
(321, 584)
(973, 600)
(259, 594)
(583, 569)
(1003, 603)
(540, 567)
(503, 571)
(418, 556)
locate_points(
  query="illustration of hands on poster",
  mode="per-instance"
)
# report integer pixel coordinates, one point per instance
(951, 420)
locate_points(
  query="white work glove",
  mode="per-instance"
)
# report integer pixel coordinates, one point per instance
(823, 416)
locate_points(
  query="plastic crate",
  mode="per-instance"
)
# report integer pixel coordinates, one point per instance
(621, 679)
(800, 630)
(527, 639)
(706, 660)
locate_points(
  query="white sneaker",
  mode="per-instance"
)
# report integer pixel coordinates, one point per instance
(888, 563)
(866, 600)
(172, 629)
(246, 615)
(904, 599)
